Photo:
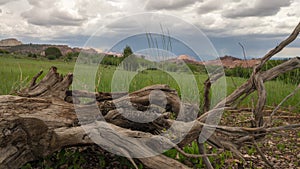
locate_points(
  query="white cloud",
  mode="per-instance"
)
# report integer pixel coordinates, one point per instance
(289, 52)
(86, 16)
(2, 2)
(43, 13)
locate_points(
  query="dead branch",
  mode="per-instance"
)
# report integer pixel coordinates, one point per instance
(247, 87)
(202, 150)
(262, 97)
(207, 85)
(262, 155)
(52, 85)
(278, 48)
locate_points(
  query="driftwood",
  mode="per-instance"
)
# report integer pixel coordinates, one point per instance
(36, 127)
(47, 116)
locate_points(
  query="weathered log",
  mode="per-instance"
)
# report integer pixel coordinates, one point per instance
(43, 120)
(52, 85)
(35, 127)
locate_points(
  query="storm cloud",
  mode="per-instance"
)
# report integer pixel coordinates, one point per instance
(169, 4)
(210, 6)
(259, 8)
(224, 21)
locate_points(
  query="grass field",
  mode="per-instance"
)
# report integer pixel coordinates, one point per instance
(16, 71)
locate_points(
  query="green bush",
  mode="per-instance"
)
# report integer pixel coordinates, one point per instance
(51, 57)
(2, 51)
(238, 72)
(32, 55)
(291, 77)
(111, 60)
(53, 51)
(196, 68)
(72, 54)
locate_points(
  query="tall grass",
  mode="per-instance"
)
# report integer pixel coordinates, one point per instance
(13, 71)
(291, 77)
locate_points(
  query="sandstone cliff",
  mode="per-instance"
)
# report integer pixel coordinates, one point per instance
(10, 42)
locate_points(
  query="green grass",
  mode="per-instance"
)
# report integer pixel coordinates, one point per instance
(18, 70)
(277, 90)
(15, 68)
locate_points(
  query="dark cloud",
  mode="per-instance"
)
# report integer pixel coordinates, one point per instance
(259, 8)
(256, 45)
(169, 4)
(72, 40)
(209, 6)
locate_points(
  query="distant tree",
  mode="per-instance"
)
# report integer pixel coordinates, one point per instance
(53, 51)
(127, 51)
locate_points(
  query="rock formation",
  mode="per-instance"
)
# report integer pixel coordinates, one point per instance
(10, 42)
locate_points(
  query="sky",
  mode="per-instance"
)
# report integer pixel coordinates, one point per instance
(212, 25)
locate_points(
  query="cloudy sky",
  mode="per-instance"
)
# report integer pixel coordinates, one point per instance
(259, 24)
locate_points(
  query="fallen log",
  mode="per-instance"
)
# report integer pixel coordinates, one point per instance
(34, 127)
(41, 120)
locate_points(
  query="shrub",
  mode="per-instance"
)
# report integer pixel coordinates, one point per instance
(4, 51)
(111, 60)
(53, 51)
(32, 55)
(72, 54)
(51, 57)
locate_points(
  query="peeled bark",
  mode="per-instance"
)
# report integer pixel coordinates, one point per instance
(41, 120)
(36, 127)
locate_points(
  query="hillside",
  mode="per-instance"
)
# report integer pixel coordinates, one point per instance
(232, 62)
(16, 46)
(226, 61)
